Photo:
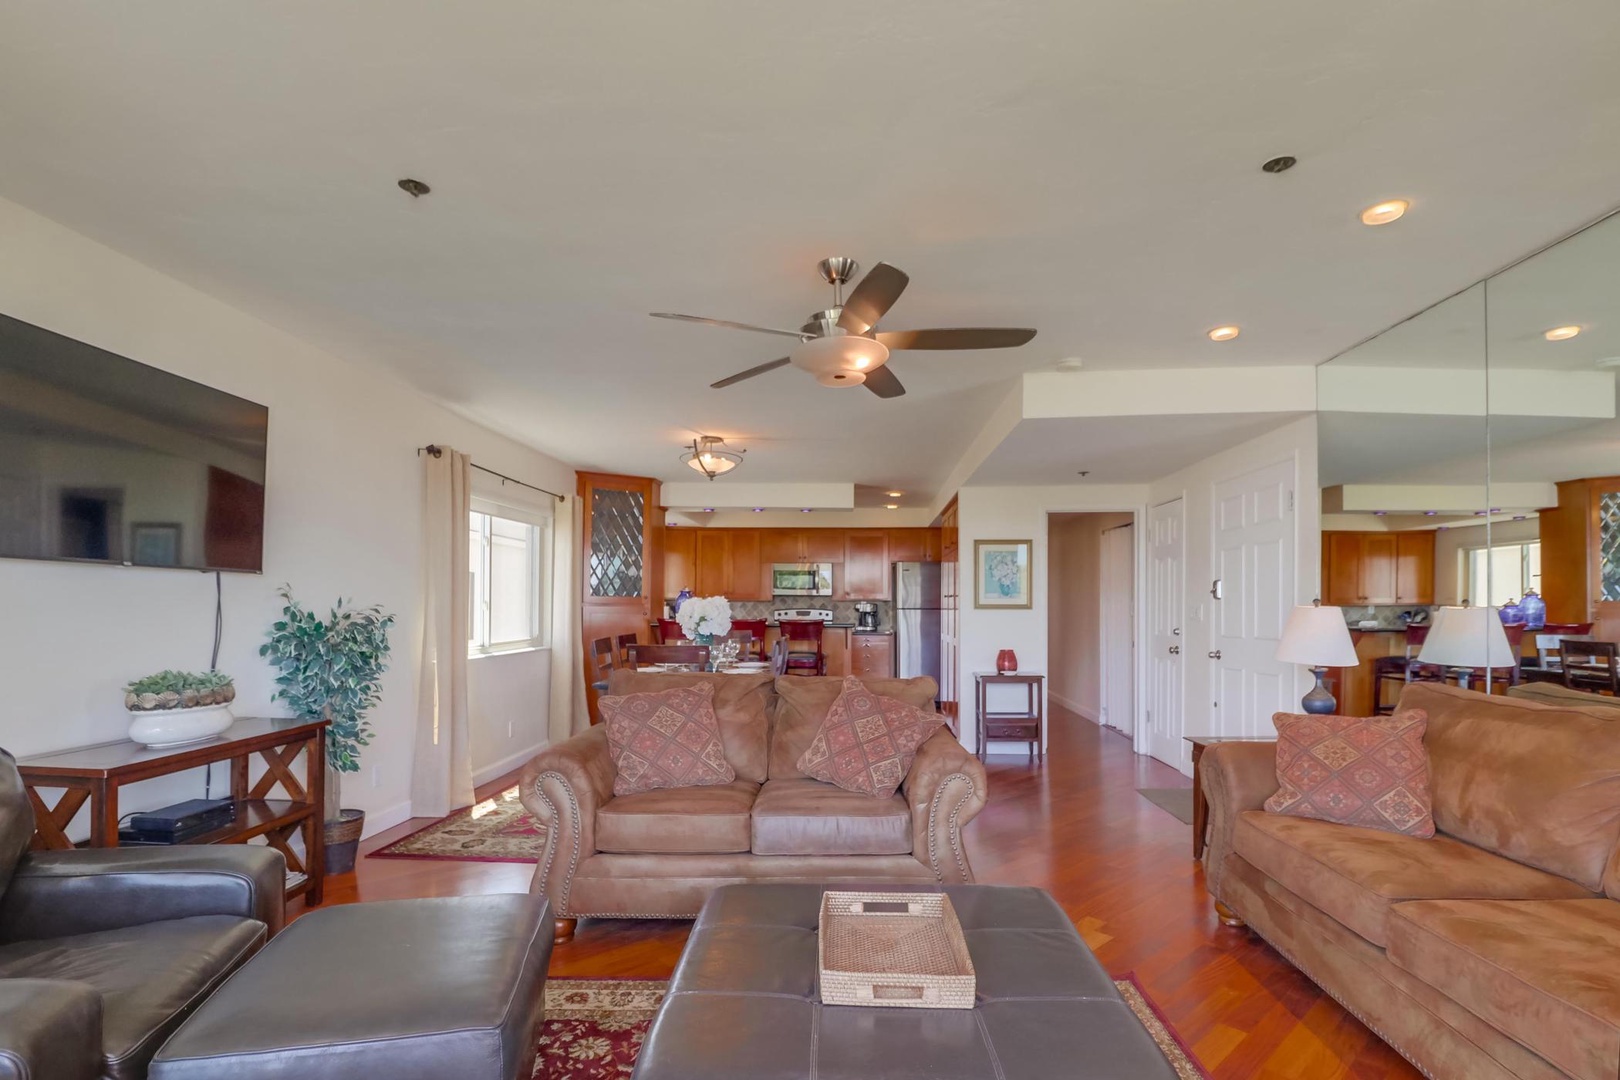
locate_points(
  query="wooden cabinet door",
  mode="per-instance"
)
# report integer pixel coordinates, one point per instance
(835, 646)
(680, 560)
(866, 564)
(872, 656)
(780, 546)
(1378, 559)
(1414, 567)
(821, 545)
(908, 545)
(713, 563)
(750, 578)
(1341, 574)
(933, 545)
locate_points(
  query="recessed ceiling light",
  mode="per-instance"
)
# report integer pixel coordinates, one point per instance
(894, 494)
(891, 506)
(806, 510)
(414, 188)
(708, 509)
(759, 509)
(1224, 333)
(1561, 333)
(1385, 212)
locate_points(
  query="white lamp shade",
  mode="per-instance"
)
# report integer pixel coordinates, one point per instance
(1471, 637)
(1317, 637)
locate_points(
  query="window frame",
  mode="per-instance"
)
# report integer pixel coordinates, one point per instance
(479, 557)
(1526, 579)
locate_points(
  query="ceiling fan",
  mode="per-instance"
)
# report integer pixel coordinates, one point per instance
(842, 345)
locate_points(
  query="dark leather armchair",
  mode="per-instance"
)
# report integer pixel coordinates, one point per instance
(103, 952)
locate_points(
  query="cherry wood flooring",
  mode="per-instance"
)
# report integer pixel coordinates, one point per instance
(1120, 866)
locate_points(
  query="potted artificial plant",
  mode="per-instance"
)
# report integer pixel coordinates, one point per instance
(331, 668)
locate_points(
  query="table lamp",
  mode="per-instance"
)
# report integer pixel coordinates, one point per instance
(1319, 638)
(1467, 637)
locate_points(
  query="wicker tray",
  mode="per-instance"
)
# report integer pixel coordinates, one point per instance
(894, 950)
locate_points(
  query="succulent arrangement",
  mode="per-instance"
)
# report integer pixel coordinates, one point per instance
(179, 690)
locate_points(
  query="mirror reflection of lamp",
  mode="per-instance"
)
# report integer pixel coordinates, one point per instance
(1468, 637)
(1319, 638)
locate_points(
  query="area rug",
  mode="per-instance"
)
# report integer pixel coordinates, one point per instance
(594, 1027)
(1176, 801)
(496, 830)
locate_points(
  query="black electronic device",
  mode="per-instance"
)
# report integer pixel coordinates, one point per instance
(181, 822)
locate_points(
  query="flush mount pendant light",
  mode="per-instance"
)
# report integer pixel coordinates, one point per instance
(842, 359)
(707, 456)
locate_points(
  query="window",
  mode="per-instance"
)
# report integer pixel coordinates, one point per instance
(1510, 569)
(508, 597)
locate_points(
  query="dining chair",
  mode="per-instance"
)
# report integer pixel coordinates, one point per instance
(1547, 645)
(779, 653)
(602, 662)
(804, 656)
(643, 655)
(669, 632)
(621, 653)
(1590, 665)
(756, 627)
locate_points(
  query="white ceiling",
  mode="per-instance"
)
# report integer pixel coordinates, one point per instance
(1117, 449)
(1087, 169)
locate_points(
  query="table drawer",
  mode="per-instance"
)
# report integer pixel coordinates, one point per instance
(1001, 729)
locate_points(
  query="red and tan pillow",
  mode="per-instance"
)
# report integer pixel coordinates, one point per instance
(665, 739)
(1372, 772)
(867, 741)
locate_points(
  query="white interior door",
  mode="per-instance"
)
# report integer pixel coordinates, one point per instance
(1118, 590)
(1166, 602)
(1254, 557)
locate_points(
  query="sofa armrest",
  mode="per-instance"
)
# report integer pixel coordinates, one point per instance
(49, 1028)
(58, 893)
(1236, 776)
(946, 788)
(562, 787)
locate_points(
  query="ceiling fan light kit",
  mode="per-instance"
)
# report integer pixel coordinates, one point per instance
(842, 346)
(707, 454)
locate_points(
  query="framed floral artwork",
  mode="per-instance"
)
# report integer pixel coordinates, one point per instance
(1001, 573)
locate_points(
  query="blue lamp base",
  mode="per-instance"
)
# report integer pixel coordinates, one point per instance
(1319, 702)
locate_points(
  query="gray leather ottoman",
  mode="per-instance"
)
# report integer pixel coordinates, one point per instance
(744, 1004)
(392, 990)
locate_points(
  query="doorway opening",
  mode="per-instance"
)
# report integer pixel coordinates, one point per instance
(1091, 617)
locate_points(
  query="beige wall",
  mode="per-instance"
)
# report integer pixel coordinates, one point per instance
(1074, 609)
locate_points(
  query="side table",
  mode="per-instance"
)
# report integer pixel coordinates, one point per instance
(1028, 725)
(1200, 804)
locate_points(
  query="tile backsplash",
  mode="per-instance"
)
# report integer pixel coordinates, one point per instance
(1388, 616)
(843, 610)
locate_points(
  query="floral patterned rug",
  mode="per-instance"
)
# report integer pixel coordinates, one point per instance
(496, 830)
(594, 1028)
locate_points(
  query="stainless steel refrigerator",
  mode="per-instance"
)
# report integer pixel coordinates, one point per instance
(916, 619)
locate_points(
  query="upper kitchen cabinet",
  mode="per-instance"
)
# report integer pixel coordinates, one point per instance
(866, 564)
(914, 545)
(680, 560)
(801, 546)
(822, 545)
(750, 574)
(715, 562)
(1360, 568)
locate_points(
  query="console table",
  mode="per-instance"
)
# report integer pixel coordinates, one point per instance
(94, 774)
(1027, 724)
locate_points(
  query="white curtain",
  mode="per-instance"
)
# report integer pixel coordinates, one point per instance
(441, 779)
(568, 708)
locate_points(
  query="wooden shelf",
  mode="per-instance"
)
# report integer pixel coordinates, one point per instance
(255, 817)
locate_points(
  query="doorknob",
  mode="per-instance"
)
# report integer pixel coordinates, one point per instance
(1175, 631)
(1216, 655)
(1175, 650)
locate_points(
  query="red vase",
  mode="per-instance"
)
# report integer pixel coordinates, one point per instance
(1006, 661)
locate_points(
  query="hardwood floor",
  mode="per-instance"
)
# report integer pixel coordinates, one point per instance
(1121, 867)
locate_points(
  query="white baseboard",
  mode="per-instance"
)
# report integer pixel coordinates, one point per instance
(1075, 707)
(505, 765)
(378, 820)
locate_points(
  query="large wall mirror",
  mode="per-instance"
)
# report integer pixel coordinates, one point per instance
(1470, 471)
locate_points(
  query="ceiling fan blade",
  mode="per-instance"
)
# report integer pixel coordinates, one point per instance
(961, 337)
(883, 382)
(769, 365)
(799, 334)
(874, 295)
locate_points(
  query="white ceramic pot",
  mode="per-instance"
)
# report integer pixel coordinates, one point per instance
(163, 728)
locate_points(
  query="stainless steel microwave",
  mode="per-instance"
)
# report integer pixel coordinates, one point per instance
(801, 579)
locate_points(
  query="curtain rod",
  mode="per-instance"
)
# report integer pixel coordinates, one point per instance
(439, 452)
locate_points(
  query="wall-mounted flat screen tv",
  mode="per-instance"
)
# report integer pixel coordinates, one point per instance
(103, 459)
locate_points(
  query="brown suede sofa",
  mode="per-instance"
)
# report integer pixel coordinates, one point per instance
(1491, 950)
(659, 854)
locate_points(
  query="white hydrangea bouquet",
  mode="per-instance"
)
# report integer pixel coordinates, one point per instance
(705, 618)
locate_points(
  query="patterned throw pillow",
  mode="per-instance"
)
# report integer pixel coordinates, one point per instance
(666, 739)
(867, 742)
(1372, 772)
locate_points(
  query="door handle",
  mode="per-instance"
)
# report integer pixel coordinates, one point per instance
(1215, 590)
(1175, 650)
(1175, 631)
(1216, 655)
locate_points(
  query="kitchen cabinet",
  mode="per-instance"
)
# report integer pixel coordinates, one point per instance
(680, 560)
(909, 545)
(713, 563)
(866, 564)
(822, 545)
(750, 575)
(1361, 568)
(872, 656)
(801, 545)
